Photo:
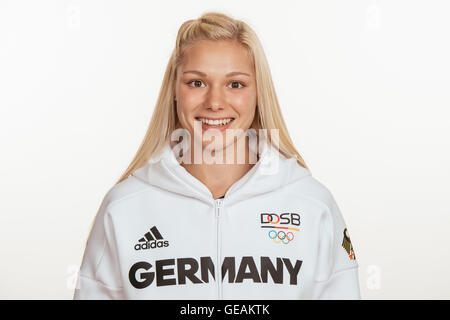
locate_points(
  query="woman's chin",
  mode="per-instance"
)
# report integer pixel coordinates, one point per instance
(208, 146)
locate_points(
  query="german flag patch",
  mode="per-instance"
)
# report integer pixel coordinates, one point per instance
(347, 245)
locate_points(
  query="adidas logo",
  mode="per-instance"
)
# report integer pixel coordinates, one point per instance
(150, 240)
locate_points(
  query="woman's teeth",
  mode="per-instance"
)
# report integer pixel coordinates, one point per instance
(220, 122)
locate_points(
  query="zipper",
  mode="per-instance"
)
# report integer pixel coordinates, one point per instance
(218, 207)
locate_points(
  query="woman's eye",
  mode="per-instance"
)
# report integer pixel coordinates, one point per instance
(238, 83)
(196, 82)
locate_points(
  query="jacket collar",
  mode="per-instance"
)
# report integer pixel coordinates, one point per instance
(271, 172)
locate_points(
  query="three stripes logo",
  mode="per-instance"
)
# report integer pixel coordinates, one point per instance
(152, 239)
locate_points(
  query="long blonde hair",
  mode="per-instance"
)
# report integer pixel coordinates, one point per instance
(213, 26)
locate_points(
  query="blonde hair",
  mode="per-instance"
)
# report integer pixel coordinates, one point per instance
(213, 26)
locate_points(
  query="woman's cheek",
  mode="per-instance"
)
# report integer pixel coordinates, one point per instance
(191, 99)
(243, 103)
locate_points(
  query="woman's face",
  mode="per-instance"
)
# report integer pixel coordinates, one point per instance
(216, 81)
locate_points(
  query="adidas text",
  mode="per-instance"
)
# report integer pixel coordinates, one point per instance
(151, 245)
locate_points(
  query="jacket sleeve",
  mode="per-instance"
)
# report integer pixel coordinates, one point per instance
(99, 275)
(337, 268)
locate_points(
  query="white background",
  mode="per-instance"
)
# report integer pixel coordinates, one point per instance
(364, 89)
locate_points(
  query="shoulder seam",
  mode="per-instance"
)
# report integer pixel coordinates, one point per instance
(115, 201)
(323, 203)
(103, 254)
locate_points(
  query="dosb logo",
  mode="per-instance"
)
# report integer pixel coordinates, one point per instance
(152, 239)
(284, 218)
(274, 222)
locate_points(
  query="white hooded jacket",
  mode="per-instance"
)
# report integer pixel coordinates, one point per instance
(276, 234)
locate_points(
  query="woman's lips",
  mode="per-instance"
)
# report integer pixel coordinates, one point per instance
(220, 128)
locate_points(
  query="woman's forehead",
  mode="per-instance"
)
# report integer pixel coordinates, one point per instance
(209, 57)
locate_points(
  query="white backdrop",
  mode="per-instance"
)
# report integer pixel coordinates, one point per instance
(364, 89)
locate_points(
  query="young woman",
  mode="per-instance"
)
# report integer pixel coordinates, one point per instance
(217, 203)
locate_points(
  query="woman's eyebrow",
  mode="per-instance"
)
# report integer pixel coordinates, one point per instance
(234, 73)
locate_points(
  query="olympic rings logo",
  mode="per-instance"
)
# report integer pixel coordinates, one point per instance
(288, 221)
(281, 236)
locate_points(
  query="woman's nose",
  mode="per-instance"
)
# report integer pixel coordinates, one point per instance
(215, 99)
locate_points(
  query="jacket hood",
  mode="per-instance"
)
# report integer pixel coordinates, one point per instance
(271, 172)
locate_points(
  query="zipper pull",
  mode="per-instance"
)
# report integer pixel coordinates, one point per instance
(218, 206)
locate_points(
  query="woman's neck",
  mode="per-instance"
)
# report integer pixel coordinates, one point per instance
(218, 178)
